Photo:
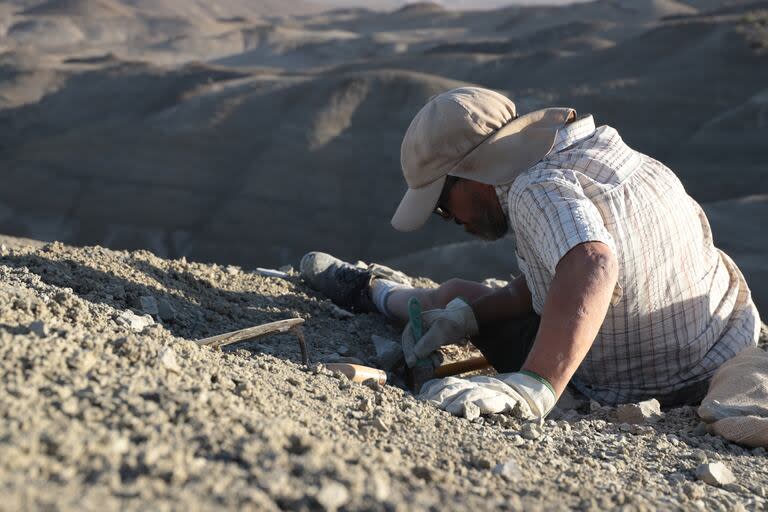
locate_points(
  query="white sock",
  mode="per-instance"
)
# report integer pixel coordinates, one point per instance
(380, 290)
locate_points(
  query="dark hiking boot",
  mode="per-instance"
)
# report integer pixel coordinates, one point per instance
(346, 285)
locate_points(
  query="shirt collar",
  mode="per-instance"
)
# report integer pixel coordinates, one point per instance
(573, 132)
(566, 137)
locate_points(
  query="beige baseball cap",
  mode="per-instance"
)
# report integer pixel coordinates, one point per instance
(472, 133)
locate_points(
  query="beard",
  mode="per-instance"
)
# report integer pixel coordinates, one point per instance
(490, 226)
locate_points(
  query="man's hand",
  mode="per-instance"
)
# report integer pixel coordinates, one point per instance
(523, 394)
(443, 327)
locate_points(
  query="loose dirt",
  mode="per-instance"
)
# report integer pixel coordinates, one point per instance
(98, 416)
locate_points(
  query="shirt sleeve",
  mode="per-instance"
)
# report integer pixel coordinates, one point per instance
(554, 215)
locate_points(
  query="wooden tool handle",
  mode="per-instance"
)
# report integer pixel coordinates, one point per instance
(468, 365)
(358, 373)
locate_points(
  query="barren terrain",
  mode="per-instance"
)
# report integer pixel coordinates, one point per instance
(101, 415)
(219, 136)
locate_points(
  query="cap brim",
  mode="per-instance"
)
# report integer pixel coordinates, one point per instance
(417, 205)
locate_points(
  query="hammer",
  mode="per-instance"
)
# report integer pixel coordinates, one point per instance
(429, 368)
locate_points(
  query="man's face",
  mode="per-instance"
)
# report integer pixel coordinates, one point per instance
(476, 207)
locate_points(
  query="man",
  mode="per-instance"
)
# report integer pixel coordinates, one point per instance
(622, 291)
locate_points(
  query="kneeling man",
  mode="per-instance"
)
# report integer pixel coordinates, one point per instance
(622, 292)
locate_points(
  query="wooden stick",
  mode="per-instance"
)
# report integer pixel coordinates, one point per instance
(248, 333)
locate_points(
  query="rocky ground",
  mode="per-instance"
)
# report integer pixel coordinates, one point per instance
(102, 407)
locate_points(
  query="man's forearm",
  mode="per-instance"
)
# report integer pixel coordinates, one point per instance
(574, 310)
(503, 304)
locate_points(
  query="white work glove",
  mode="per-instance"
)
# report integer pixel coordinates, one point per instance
(524, 394)
(441, 327)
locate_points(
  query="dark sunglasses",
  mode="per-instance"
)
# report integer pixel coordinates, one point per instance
(441, 210)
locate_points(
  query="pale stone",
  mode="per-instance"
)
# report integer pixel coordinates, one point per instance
(388, 353)
(332, 496)
(715, 473)
(641, 412)
(168, 360)
(471, 411)
(509, 470)
(133, 321)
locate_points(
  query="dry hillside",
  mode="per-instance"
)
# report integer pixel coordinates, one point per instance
(106, 407)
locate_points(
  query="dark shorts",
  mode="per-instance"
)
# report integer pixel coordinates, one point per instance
(506, 346)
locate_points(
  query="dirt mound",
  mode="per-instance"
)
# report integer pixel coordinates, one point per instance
(80, 8)
(98, 414)
(239, 116)
(420, 8)
(657, 8)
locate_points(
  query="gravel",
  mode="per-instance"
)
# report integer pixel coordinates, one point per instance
(99, 414)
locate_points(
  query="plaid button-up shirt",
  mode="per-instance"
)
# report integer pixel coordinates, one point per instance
(681, 307)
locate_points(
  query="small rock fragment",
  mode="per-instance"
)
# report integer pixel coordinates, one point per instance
(700, 430)
(530, 431)
(715, 473)
(38, 327)
(340, 313)
(509, 470)
(168, 360)
(694, 491)
(388, 352)
(133, 321)
(148, 304)
(332, 496)
(343, 350)
(380, 425)
(366, 404)
(700, 456)
(641, 412)
(70, 406)
(165, 310)
(471, 411)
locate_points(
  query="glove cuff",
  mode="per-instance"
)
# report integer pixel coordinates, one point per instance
(536, 390)
(470, 322)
